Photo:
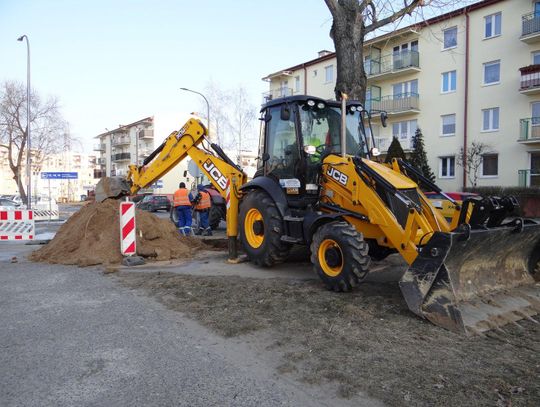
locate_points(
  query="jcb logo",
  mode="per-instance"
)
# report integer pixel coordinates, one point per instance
(215, 173)
(337, 175)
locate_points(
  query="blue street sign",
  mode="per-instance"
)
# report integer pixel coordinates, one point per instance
(157, 184)
(59, 175)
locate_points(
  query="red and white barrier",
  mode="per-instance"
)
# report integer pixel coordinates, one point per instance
(17, 225)
(128, 244)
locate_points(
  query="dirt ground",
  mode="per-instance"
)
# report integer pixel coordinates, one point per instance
(366, 341)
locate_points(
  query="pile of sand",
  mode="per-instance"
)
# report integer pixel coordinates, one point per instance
(92, 236)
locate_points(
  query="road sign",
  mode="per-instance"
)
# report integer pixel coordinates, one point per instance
(157, 184)
(59, 175)
(193, 169)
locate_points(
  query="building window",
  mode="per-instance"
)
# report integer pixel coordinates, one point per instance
(450, 38)
(449, 82)
(492, 72)
(297, 84)
(448, 125)
(405, 89)
(404, 131)
(492, 25)
(490, 119)
(536, 58)
(490, 165)
(314, 72)
(447, 167)
(329, 73)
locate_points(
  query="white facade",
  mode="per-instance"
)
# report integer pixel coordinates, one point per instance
(455, 76)
(60, 189)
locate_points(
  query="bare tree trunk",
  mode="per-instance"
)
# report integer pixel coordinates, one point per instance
(348, 36)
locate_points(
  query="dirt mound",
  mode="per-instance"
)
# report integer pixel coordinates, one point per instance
(92, 236)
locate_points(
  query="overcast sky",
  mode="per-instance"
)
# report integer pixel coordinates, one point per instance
(114, 62)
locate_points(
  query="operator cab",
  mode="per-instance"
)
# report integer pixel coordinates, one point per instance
(298, 132)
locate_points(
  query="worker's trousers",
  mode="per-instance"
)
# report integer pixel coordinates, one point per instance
(184, 219)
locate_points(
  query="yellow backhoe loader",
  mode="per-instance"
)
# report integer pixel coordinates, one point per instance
(319, 184)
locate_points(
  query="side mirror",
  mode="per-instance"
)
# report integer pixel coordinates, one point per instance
(384, 118)
(265, 157)
(285, 113)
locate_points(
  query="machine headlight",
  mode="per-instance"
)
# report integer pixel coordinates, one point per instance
(320, 105)
(311, 103)
(352, 108)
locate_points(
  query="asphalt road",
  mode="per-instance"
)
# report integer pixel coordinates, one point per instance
(74, 337)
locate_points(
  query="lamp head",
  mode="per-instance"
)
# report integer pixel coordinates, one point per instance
(20, 38)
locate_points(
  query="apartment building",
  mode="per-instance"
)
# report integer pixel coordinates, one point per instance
(471, 75)
(127, 144)
(60, 189)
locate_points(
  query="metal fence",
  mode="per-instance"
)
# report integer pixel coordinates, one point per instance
(529, 129)
(276, 94)
(395, 103)
(392, 62)
(530, 24)
(121, 156)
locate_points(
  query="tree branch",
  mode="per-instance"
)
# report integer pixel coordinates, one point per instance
(407, 9)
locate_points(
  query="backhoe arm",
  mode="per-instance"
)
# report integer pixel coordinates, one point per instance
(226, 177)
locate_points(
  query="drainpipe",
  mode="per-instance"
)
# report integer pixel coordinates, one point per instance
(466, 101)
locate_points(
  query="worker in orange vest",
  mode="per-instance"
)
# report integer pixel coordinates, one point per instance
(182, 205)
(202, 207)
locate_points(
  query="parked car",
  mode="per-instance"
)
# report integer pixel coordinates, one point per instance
(440, 202)
(154, 203)
(8, 204)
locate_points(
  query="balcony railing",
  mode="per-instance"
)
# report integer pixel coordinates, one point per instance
(406, 141)
(392, 63)
(99, 173)
(276, 94)
(529, 129)
(121, 140)
(121, 157)
(102, 161)
(530, 78)
(529, 178)
(400, 103)
(530, 24)
(99, 147)
(145, 134)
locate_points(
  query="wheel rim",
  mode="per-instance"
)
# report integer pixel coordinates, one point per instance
(330, 257)
(254, 228)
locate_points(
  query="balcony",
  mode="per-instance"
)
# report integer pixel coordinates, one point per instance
(102, 161)
(99, 147)
(403, 103)
(530, 28)
(406, 141)
(121, 157)
(529, 130)
(530, 80)
(99, 173)
(145, 134)
(529, 178)
(395, 64)
(276, 94)
(121, 140)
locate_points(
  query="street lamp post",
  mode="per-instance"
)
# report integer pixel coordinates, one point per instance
(207, 105)
(28, 143)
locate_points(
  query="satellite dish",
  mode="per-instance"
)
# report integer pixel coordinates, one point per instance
(193, 169)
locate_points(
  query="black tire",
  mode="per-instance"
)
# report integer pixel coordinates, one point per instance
(534, 263)
(268, 230)
(215, 216)
(173, 216)
(340, 256)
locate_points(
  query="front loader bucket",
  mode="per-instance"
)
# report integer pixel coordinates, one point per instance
(476, 280)
(111, 187)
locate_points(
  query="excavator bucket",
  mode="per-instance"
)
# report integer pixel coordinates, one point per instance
(111, 187)
(476, 280)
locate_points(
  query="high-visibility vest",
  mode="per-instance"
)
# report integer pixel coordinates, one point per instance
(181, 197)
(205, 201)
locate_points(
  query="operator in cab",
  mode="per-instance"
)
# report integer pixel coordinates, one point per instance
(202, 207)
(182, 205)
